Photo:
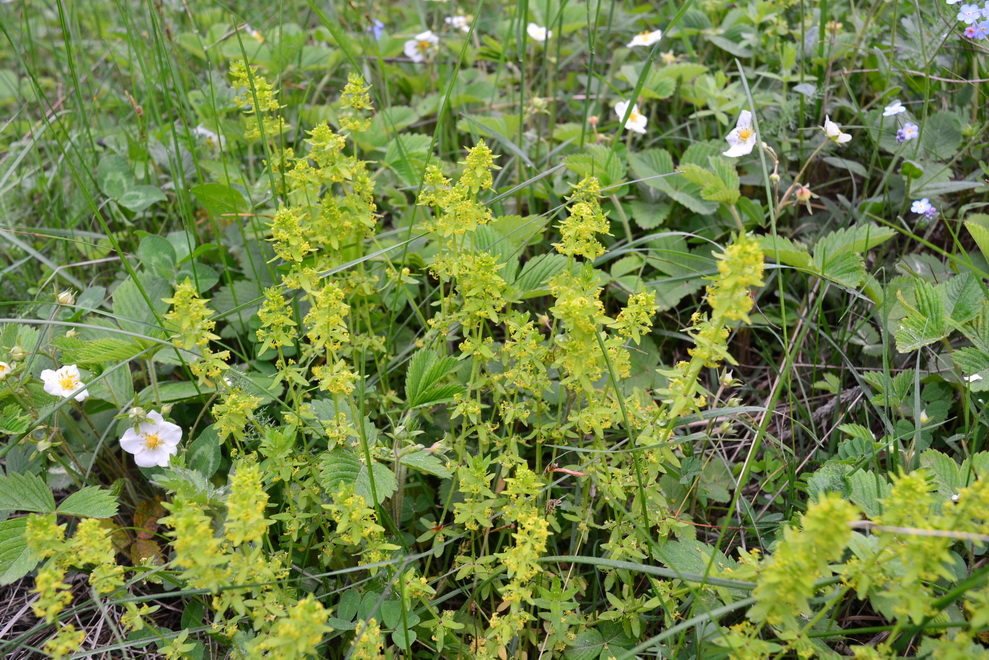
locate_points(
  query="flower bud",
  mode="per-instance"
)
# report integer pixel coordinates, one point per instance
(17, 354)
(774, 177)
(803, 194)
(66, 298)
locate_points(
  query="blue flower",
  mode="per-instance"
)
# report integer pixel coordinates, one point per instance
(908, 132)
(377, 29)
(982, 30)
(970, 14)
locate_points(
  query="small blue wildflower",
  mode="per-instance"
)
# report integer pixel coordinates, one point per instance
(377, 29)
(982, 30)
(970, 14)
(908, 132)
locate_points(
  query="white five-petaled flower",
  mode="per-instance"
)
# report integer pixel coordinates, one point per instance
(742, 138)
(922, 206)
(833, 131)
(458, 22)
(64, 382)
(636, 121)
(420, 45)
(894, 108)
(4, 370)
(538, 32)
(646, 38)
(153, 442)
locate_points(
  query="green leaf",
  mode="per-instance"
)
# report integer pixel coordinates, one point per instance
(158, 254)
(114, 176)
(785, 251)
(717, 185)
(536, 273)
(977, 225)
(12, 422)
(649, 216)
(426, 369)
(132, 310)
(25, 492)
(942, 135)
(924, 323)
(426, 461)
(97, 351)
(219, 199)
(344, 467)
(89, 502)
(204, 452)
(139, 198)
(16, 560)
(866, 490)
(586, 646)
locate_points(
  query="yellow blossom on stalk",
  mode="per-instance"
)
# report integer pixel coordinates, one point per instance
(53, 593)
(478, 167)
(233, 413)
(355, 97)
(245, 522)
(297, 634)
(636, 318)
(190, 316)
(740, 266)
(66, 641)
(43, 535)
(368, 644)
(327, 327)
(276, 320)
(336, 378)
(585, 220)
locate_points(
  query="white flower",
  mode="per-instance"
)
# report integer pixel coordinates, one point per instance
(833, 131)
(953, 2)
(64, 382)
(538, 32)
(742, 138)
(635, 122)
(458, 22)
(921, 206)
(924, 418)
(956, 496)
(646, 38)
(972, 378)
(894, 108)
(4, 370)
(154, 442)
(254, 33)
(212, 139)
(419, 46)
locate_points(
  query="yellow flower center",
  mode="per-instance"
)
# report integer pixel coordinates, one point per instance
(152, 441)
(645, 34)
(68, 382)
(634, 116)
(744, 134)
(424, 45)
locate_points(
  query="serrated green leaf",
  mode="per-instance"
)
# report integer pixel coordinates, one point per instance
(963, 298)
(925, 323)
(426, 369)
(89, 502)
(16, 560)
(428, 462)
(344, 467)
(25, 492)
(866, 490)
(98, 351)
(587, 645)
(12, 422)
(785, 251)
(857, 239)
